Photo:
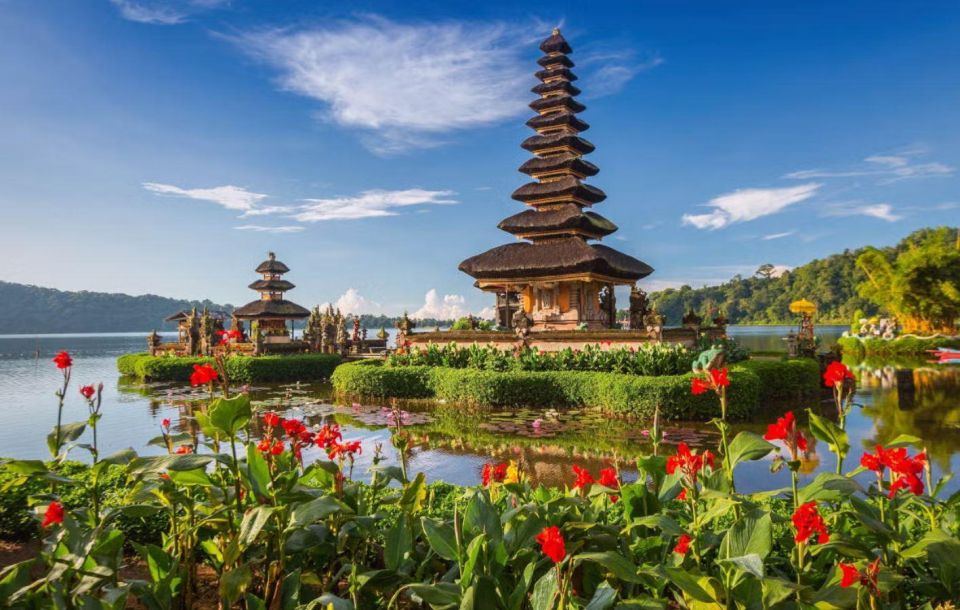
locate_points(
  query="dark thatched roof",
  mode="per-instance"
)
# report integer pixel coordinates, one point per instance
(180, 315)
(556, 119)
(272, 265)
(555, 44)
(557, 85)
(568, 217)
(557, 101)
(556, 140)
(568, 187)
(554, 163)
(554, 257)
(549, 60)
(271, 309)
(272, 285)
(562, 73)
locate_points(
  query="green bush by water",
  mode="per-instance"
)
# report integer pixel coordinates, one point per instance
(904, 346)
(240, 369)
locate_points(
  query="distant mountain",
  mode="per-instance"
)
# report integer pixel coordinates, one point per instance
(32, 309)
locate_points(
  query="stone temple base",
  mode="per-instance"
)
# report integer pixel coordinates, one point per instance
(554, 341)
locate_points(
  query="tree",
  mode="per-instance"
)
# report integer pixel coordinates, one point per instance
(765, 271)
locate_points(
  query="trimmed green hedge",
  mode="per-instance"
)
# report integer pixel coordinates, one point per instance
(785, 379)
(617, 393)
(904, 346)
(240, 369)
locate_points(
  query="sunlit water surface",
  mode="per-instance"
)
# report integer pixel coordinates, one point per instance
(450, 443)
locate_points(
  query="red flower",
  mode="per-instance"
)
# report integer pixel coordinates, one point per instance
(203, 374)
(836, 374)
(184, 449)
(868, 578)
(785, 429)
(688, 462)
(908, 468)
(552, 544)
(272, 420)
(293, 427)
(683, 544)
(608, 478)
(682, 495)
(227, 335)
(87, 391)
(699, 385)
(584, 478)
(348, 449)
(164, 476)
(907, 481)
(807, 521)
(328, 435)
(54, 512)
(264, 445)
(850, 573)
(63, 360)
(165, 423)
(277, 448)
(496, 473)
(719, 378)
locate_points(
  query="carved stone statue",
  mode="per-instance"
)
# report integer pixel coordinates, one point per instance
(192, 324)
(608, 305)
(521, 323)
(638, 307)
(654, 325)
(153, 343)
(692, 320)
(342, 336)
(404, 326)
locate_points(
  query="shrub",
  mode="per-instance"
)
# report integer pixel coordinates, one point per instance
(240, 369)
(614, 392)
(860, 347)
(785, 379)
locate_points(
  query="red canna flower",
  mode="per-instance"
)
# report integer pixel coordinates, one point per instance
(293, 427)
(277, 448)
(785, 429)
(713, 379)
(836, 374)
(495, 473)
(682, 495)
(272, 420)
(165, 423)
(850, 574)
(87, 391)
(552, 543)
(683, 544)
(54, 512)
(184, 449)
(203, 374)
(63, 360)
(907, 481)
(719, 378)
(807, 521)
(164, 476)
(688, 462)
(699, 385)
(584, 478)
(348, 449)
(869, 577)
(264, 445)
(328, 435)
(608, 478)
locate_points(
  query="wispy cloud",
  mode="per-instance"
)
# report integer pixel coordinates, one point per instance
(749, 204)
(777, 235)
(608, 71)
(888, 168)
(163, 12)
(369, 204)
(403, 84)
(881, 211)
(269, 229)
(229, 196)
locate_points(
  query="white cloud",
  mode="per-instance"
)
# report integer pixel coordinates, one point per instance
(749, 204)
(450, 307)
(612, 70)
(229, 196)
(369, 204)
(267, 229)
(881, 211)
(163, 12)
(888, 167)
(404, 83)
(353, 302)
(778, 235)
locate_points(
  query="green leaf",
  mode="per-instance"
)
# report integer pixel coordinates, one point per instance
(68, 433)
(398, 543)
(197, 477)
(775, 590)
(310, 512)
(944, 559)
(481, 516)
(545, 591)
(751, 564)
(162, 463)
(905, 440)
(26, 467)
(253, 521)
(233, 583)
(749, 446)
(690, 584)
(614, 562)
(473, 555)
(258, 472)
(441, 538)
(414, 494)
(751, 534)
(830, 433)
(438, 595)
(603, 597)
(828, 487)
(230, 415)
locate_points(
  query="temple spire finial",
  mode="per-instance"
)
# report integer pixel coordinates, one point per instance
(556, 31)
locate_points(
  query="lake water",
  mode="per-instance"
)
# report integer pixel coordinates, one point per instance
(451, 443)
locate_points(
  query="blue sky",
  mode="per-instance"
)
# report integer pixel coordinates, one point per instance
(165, 147)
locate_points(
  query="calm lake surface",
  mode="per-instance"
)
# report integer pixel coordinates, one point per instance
(452, 444)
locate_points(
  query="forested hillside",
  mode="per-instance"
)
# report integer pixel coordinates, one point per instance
(832, 283)
(32, 309)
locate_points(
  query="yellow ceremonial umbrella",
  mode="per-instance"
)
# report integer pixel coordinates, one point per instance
(803, 306)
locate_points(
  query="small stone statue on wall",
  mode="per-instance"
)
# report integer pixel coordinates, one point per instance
(521, 323)
(638, 307)
(653, 322)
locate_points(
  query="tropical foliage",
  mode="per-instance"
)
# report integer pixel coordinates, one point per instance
(283, 532)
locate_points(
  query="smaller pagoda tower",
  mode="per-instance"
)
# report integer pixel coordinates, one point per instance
(271, 312)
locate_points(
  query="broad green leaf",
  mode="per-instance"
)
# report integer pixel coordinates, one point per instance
(310, 512)
(68, 433)
(545, 591)
(230, 415)
(197, 477)
(473, 555)
(414, 494)
(614, 562)
(828, 487)
(258, 472)
(944, 559)
(751, 534)
(441, 538)
(481, 595)
(749, 446)
(161, 463)
(233, 583)
(830, 433)
(775, 590)
(398, 543)
(439, 595)
(26, 467)
(905, 440)
(603, 597)
(751, 564)
(253, 521)
(481, 516)
(691, 585)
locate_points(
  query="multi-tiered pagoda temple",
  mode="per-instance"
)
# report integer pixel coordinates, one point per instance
(563, 281)
(271, 311)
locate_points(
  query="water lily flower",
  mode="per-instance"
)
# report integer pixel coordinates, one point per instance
(54, 513)
(807, 521)
(63, 360)
(552, 544)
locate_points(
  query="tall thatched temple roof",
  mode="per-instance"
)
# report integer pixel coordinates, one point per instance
(557, 227)
(271, 303)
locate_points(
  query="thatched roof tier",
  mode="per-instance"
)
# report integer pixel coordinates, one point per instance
(563, 163)
(271, 309)
(555, 44)
(180, 315)
(554, 258)
(564, 188)
(551, 60)
(272, 265)
(557, 102)
(272, 285)
(557, 142)
(556, 74)
(556, 87)
(569, 219)
(566, 120)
